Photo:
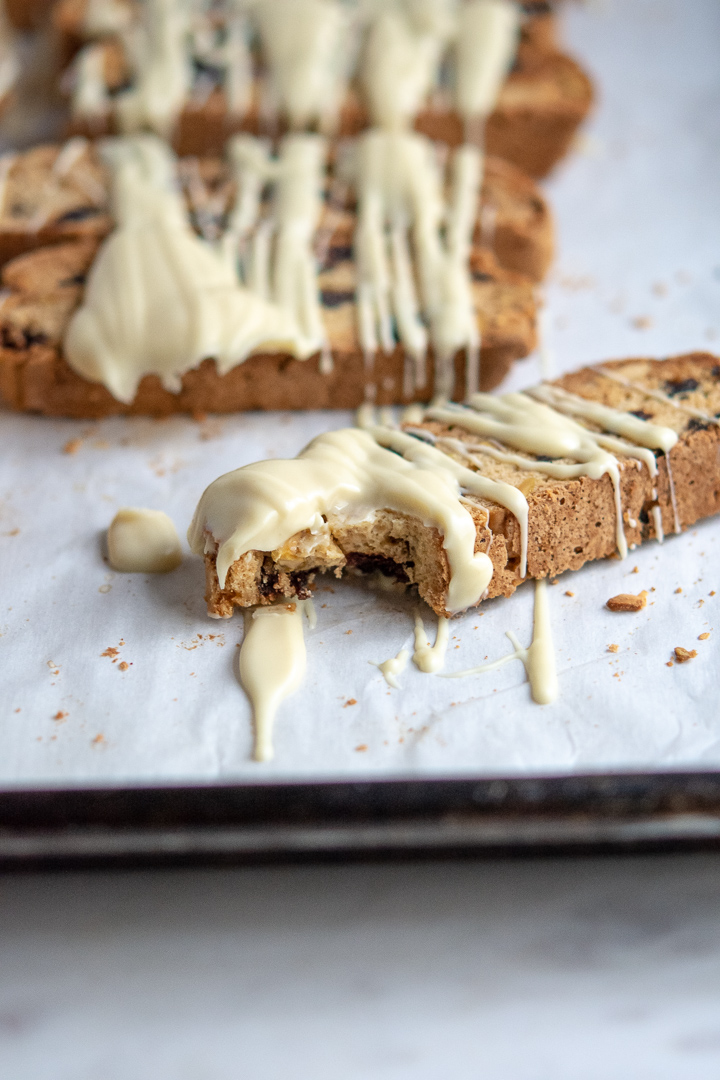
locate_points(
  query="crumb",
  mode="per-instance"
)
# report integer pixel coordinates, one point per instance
(110, 652)
(13, 532)
(60, 715)
(348, 631)
(123, 667)
(288, 607)
(682, 655)
(613, 648)
(105, 588)
(642, 322)
(72, 446)
(361, 748)
(703, 637)
(634, 570)
(678, 590)
(712, 593)
(350, 701)
(568, 593)
(17, 710)
(669, 664)
(627, 602)
(98, 739)
(554, 581)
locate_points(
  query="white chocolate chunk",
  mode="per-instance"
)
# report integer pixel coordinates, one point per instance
(143, 542)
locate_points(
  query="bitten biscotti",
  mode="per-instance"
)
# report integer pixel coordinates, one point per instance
(47, 296)
(537, 112)
(534, 515)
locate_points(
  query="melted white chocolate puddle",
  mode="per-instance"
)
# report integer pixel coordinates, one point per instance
(538, 658)
(143, 542)
(272, 664)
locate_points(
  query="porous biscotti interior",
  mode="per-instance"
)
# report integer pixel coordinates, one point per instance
(570, 522)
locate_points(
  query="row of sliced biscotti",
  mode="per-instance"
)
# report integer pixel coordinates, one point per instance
(44, 287)
(570, 521)
(545, 98)
(52, 194)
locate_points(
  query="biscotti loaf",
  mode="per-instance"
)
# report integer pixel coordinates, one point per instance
(532, 122)
(51, 194)
(471, 501)
(165, 325)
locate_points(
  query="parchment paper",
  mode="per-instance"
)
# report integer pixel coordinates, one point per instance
(638, 273)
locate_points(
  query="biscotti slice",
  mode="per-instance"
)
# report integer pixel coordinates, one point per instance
(531, 122)
(467, 502)
(54, 193)
(274, 312)
(46, 286)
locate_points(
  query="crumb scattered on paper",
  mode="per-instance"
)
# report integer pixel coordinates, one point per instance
(628, 601)
(683, 655)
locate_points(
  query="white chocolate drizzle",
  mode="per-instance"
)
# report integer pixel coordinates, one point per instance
(272, 665)
(162, 68)
(390, 669)
(487, 39)
(90, 97)
(538, 658)
(159, 300)
(306, 44)
(658, 395)
(426, 657)
(401, 207)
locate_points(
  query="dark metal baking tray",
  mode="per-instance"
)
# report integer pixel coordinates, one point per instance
(251, 823)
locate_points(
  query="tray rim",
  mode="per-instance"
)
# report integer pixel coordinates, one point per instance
(244, 823)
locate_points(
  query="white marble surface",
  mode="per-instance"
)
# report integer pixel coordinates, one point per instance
(588, 969)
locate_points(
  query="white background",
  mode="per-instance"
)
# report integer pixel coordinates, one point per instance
(527, 970)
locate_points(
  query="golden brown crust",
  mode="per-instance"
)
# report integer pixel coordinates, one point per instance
(570, 522)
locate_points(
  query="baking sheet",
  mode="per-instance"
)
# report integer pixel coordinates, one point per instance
(638, 209)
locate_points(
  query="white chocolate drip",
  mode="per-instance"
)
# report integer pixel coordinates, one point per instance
(102, 18)
(163, 72)
(343, 475)
(400, 66)
(658, 395)
(390, 669)
(143, 542)
(272, 666)
(538, 659)
(401, 205)
(306, 45)
(7, 162)
(487, 38)
(158, 299)
(430, 658)
(90, 96)
(282, 267)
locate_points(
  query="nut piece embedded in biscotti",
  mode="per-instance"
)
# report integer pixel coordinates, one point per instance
(683, 655)
(628, 602)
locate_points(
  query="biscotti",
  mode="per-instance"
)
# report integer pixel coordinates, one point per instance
(472, 501)
(185, 335)
(531, 122)
(51, 194)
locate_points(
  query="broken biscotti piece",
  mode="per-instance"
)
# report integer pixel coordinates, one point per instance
(266, 281)
(467, 502)
(479, 70)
